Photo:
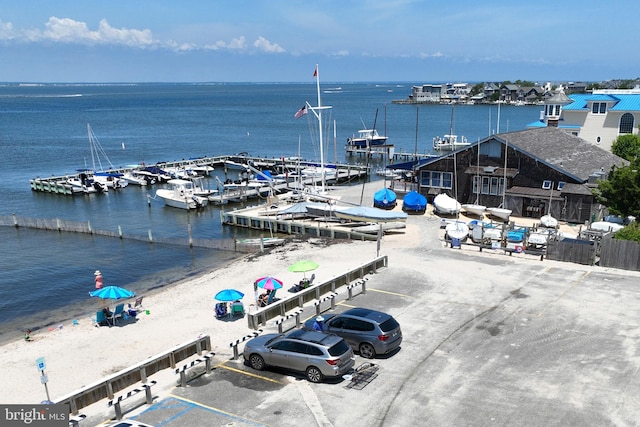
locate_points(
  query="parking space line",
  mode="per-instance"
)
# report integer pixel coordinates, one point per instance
(389, 293)
(240, 371)
(219, 411)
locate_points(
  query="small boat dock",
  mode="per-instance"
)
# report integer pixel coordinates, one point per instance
(287, 168)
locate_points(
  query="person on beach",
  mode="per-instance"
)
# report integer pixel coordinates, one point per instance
(98, 279)
(27, 335)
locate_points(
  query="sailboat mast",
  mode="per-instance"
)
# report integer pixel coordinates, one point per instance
(317, 76)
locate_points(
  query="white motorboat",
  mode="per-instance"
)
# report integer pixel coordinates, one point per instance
(446, 205)
(499, 213)
(457, 230)
(181, 194)
(449, 143)
(367, 138)
(537, 239)
(473, 209)
(132, 178)
(548, 221)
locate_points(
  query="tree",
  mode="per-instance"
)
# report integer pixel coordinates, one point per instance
(629, 232)
(620, 193)
(627, 146)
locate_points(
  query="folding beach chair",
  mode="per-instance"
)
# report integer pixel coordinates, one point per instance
(101, 319)
(237, 308)
(118, 313)
(138, 303)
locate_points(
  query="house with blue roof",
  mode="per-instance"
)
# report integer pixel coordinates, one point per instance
(598, 118)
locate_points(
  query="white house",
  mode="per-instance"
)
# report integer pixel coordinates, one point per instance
(598, 117)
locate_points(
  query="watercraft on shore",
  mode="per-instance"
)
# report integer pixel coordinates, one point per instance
(414, 202)
(548, 221)
(457, 230)
(446, 205)
(499, 213)
(367, 214)
(473, 209)
(384, 198)
(181, 194)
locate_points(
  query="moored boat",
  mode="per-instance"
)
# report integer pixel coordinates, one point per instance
(449, 142)
(367, 138)
(457, 230)
(181, 194)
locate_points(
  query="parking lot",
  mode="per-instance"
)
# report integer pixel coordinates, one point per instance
(488, 340)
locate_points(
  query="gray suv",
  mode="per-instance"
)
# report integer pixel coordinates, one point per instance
(317, 354)
(367, 331)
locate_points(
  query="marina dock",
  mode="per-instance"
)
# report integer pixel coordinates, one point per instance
(344, 173)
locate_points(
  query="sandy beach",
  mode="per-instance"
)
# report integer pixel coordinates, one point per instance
(81, 354)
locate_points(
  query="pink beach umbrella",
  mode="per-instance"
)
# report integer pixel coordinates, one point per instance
(269, 282)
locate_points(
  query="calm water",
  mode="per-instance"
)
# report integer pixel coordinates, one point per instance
(43, 132)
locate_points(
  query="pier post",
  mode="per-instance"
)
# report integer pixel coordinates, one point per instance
(120, 232)
(89, 227)
(190, 236)
(58, 224)
(15, 221)
(148, 199)
(150, 237)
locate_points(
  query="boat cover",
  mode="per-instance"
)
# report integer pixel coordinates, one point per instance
(384, 198)
(414, 201)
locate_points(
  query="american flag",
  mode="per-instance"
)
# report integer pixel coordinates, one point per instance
(301, 112)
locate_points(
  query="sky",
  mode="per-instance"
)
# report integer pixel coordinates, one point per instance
(66, 41)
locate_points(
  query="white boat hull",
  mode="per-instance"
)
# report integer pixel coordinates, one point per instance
(501, 213)
(548, 221)
(457, 230)
(446, 205)
(477, 210)
(366, 214)
(181, 195)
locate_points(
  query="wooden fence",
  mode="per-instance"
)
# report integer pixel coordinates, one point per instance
(623, 254)
(573, 250)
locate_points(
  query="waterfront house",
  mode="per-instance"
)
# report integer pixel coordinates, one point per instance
(598, 117)
(546, 169)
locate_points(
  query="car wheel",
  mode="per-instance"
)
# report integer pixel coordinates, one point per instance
(367, 351)
(257, 362)
(314, 375)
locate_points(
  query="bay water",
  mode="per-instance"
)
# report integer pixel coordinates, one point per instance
(45, 276)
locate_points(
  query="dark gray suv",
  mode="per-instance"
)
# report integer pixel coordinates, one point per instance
(317, 354)
(367, 331)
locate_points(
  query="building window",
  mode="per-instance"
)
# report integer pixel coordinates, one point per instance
(599, 108)
(436, 179)
(561, 185)
(546, 184)
(492, 186)
(626, 123)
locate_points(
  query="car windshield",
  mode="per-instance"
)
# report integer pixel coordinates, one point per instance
(389, 325)
(339, 348)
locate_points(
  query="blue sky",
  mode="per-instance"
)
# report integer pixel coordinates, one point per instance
(351, 40)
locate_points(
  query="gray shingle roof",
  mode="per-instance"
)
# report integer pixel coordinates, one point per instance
(562, 151)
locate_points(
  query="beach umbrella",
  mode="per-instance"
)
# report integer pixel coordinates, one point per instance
(303, 266)
(269, 282)
(229, 295)
(112, 292)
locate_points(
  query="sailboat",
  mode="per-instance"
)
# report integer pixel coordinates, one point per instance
(476, 208)
(321, 171)
(105, 178)
(502, 212)
(547, 220)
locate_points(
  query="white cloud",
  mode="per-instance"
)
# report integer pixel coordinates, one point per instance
(6, 31)
(66, 30)
(266, 46)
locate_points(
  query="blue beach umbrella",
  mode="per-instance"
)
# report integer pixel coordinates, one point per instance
(229, 295)
(112, 292)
